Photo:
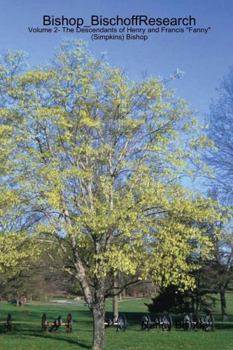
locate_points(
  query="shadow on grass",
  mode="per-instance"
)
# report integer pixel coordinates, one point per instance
(27, 331)
(59, 337)
(64, 339)
(224, 325)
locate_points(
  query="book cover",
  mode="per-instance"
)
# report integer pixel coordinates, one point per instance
(116, 174)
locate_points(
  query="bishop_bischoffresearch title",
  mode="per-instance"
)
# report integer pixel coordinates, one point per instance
(134, 20)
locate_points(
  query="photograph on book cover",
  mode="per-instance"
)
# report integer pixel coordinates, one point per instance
(116, 172)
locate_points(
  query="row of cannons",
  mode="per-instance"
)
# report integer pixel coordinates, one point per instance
(165, 322)
(56, 323)
(148, 322)
(186, 322)
(46, 325)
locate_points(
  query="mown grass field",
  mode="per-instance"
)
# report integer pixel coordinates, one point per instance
(26, 334)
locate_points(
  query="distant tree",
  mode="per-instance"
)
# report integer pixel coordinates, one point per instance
(200, 298)
(17, 246)
(220, 160)
(39, 281)
(224, 268)
(169, 299)
(213, 277)
(220, 157)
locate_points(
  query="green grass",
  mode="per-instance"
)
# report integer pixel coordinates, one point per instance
(26, 334)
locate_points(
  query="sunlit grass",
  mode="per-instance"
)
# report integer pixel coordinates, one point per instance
(27, 335)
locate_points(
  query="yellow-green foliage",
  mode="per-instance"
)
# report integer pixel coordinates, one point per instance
(17, 252)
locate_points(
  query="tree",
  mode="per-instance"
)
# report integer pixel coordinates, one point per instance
(223, 259)
(220, 160)
(212, 276)
(220, 157)
(39, 280)
(17, 247)
(97, 165)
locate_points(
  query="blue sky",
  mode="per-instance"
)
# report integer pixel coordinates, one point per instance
(203, 58)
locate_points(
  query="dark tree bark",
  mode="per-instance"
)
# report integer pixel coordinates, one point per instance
(223, 303)
(115, 301)
(98, 312)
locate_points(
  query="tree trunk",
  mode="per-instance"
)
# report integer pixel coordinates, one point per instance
(115, 308)
(223, 304)
(197, 305)
(115, 301)
(98, 312)
(193, 304)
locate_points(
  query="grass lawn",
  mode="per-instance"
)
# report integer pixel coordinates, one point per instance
(26, 334)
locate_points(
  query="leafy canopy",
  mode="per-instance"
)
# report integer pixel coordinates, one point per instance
(95, 160)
